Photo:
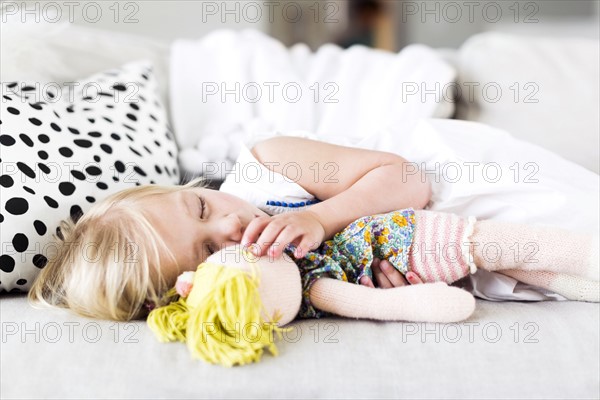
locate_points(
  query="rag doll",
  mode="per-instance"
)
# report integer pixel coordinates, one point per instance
(229, 310)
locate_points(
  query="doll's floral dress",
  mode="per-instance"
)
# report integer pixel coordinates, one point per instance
(348, 256)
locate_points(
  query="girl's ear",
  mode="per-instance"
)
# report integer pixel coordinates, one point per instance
(280, 285)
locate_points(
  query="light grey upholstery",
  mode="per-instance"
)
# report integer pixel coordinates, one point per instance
(505, 350)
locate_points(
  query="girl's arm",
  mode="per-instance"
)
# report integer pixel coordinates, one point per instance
(431, 302)
(351, 182)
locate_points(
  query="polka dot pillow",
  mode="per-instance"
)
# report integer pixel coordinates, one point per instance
(66, 147)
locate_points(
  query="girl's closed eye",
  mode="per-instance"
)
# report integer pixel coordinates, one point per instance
(202, 216)
(202, 207)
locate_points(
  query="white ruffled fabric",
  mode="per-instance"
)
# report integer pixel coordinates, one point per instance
(229, 85)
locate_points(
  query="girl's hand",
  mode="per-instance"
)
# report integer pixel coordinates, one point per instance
(272, 234)
(387, 276)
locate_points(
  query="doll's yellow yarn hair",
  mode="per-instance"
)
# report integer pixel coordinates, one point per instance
(222, 318)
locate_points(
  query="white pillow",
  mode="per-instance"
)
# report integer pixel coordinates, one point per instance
(549, 91)
(333, 92)
(61, 156)
(62, 52)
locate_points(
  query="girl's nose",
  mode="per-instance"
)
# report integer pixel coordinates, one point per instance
(232, 230)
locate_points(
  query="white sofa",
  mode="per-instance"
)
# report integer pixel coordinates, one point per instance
(505, 350)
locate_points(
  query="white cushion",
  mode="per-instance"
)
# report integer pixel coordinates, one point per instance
(556, 105)
(62, 52)
(61, 156)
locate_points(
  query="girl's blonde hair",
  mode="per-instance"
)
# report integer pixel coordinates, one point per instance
(108, 263)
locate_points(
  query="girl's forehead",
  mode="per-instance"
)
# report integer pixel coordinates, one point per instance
(164, 206)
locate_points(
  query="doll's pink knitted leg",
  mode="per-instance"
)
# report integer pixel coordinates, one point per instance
(446, 247)
(571, 287)
(499, 246)
(440, 247)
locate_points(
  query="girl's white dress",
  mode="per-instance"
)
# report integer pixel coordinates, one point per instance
(274, 193)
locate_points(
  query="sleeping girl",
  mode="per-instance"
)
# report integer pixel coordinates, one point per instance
(350, 219)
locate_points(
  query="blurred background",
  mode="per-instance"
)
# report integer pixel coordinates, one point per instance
(542, 55)
(383, 24)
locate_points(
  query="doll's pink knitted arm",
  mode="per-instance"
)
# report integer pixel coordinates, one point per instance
(434, 302)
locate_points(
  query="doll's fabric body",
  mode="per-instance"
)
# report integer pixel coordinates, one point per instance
(349, 255)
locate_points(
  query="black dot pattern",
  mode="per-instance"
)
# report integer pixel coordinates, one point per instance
(69, 153)
(40, 227)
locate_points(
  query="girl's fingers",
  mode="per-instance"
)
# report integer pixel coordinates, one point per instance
(268, 237)
(366, 281)
(392, 274)
(254, 229)
(259, 231)
(413, 278)
(305, 245)
(382, 280)
(286, 236)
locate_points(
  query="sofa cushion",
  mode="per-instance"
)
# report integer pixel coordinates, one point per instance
(67, 147)
(37, 48)
(543, 90)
